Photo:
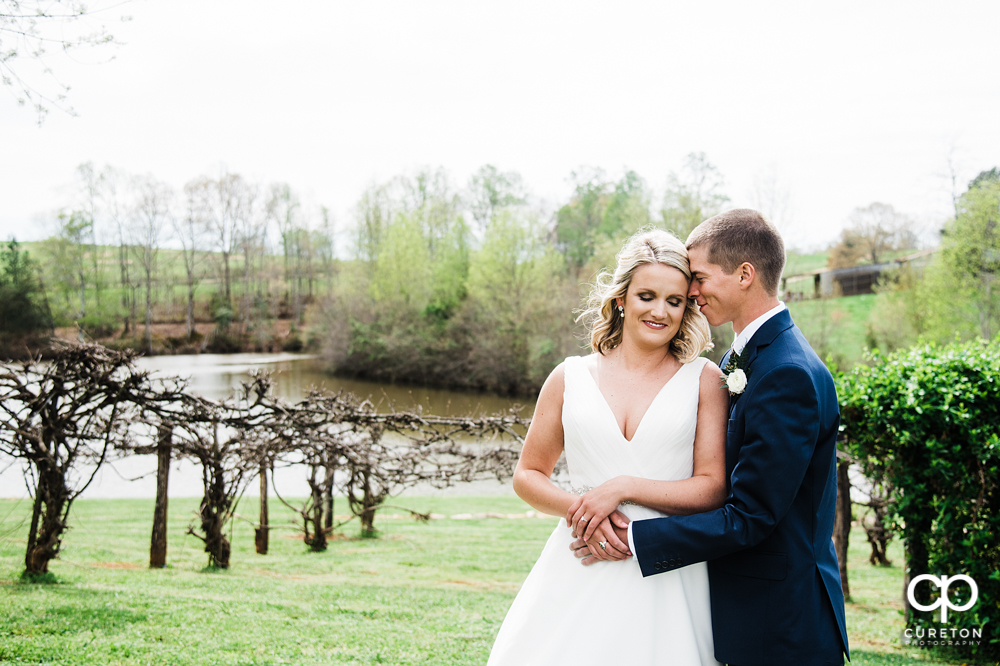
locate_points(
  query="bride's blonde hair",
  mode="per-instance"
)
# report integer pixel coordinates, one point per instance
(645, 247)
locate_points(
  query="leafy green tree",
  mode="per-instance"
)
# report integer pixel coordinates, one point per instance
(627, 208)
(517, 305)
(449, 273)
(490, 191)
(985, 177)
(23, 308)
(970, 253)
(578, 220)
(600, 215)
(956, 296)
(69, 262)
(693, 194)
(402, 273)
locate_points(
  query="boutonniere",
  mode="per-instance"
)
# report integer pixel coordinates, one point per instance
(735, 378)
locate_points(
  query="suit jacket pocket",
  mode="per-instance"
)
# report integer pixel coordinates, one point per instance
(768, 566)
(732, 427)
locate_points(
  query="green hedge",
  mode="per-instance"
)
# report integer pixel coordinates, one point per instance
(927, 420)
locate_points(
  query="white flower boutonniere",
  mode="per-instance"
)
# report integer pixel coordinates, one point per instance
(735, 378)
(736, 381)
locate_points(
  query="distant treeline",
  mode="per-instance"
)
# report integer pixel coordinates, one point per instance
(471, 286)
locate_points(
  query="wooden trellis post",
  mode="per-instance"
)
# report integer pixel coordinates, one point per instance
(158, 543)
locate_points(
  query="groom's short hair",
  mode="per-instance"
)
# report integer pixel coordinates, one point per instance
(742, 235)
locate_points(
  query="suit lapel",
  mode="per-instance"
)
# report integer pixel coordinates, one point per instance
(765, 335)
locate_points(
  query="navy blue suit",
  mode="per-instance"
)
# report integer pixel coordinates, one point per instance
(775, 583)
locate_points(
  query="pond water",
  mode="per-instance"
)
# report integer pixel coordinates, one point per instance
(216, 375)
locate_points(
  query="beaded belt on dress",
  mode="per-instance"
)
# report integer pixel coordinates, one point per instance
(582, 490)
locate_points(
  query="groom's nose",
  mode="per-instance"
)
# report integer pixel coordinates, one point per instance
(693, 290)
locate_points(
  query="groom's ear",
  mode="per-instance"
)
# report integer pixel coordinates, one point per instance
(747, 275)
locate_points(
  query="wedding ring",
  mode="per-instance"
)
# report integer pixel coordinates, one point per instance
(584, 520)
(603, 545)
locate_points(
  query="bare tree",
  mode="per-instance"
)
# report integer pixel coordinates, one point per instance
(770, 196)
(221, 203)
(28, 28)
(149, 217)
(60, 417)
(251, 239)
(372, 215)
(326, 246)
(283, 209)
(189, 230)
(115, 193)
(693, 194)
(872, 232)
(90, 199)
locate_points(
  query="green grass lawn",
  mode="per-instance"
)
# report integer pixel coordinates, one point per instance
(431, 593)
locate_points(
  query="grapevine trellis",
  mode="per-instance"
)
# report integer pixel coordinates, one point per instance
(86, 405)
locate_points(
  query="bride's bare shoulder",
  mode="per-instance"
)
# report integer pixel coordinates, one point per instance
(710, 369)
(712, 380)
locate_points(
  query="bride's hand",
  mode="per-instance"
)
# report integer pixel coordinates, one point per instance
(615, 547)
(593, 507)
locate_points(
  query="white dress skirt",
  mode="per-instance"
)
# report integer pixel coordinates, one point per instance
(607, 613)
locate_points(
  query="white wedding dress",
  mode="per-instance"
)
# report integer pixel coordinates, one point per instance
(608, 613)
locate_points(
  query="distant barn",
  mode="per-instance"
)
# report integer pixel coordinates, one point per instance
(851, 281)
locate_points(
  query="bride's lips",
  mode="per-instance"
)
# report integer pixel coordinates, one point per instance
(654, 325)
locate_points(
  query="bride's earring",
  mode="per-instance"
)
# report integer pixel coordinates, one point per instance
(621, 310)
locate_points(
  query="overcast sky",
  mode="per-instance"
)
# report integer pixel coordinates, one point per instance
(847, 104)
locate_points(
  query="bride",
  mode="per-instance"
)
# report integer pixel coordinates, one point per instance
(642, 422)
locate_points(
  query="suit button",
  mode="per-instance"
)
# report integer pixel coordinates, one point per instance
(658, 566)
(673, 562)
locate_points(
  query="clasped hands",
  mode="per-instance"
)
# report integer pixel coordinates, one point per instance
(601, 530)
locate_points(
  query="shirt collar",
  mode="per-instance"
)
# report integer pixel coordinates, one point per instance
(740, 343)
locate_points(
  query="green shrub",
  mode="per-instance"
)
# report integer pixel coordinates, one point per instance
(23, 308)
(293, 343)
(928, 420)
(226, 342)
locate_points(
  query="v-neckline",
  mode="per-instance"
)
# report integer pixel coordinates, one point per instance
(642, 420)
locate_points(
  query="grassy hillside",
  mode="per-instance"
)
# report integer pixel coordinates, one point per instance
(835, 327)
(797, 264)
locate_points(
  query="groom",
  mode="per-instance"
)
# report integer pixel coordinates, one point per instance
(775, 585)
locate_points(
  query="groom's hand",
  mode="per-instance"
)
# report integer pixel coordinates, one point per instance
(614, 532)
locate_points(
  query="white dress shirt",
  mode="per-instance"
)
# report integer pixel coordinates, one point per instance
(739, 344)
(743, 337)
